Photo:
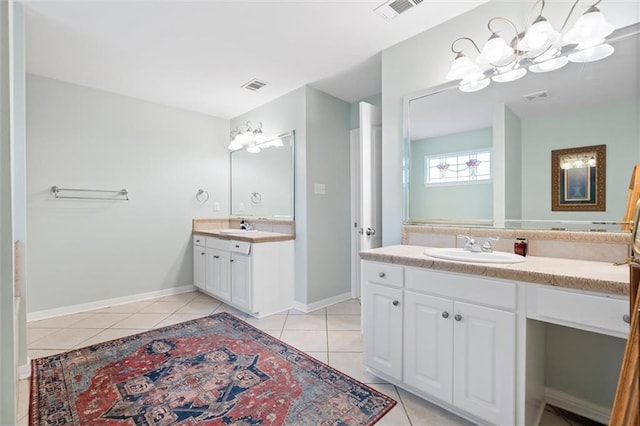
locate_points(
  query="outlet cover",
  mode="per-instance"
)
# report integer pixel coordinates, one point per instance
(320, 189)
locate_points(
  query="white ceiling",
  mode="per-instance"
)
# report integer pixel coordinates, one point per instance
(196, 55)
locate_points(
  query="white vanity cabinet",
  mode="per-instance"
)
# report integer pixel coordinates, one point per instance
(450, 337)
(256, 278)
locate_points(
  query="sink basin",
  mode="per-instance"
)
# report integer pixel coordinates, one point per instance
(462, 255)
(236, 231)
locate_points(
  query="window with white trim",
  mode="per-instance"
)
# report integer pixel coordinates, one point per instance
(461, 167)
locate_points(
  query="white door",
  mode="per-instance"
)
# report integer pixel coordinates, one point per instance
(484, 362)
(241, 280)
(383, 329)
(217, 273)
(428, 344)
(366, 189)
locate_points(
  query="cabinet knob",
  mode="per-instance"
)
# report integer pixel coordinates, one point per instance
(230, 260)
(445, 315)
(396, 303)
(215, 257)
(202, 253)
(626, 318)
(458, 317)
(382, 274)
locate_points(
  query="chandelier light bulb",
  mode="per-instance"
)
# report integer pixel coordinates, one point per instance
(540, 36)
(462, 67)
(589, 30)
(495, 51)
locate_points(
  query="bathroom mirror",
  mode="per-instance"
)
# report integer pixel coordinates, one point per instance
(509, 131)
(262, 180)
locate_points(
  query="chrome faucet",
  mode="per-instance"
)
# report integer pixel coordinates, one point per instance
(486, 247)
(471, 244)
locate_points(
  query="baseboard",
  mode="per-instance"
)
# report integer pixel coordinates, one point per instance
(100, 304)
(24, 370)
(576, 405)
(310, 307)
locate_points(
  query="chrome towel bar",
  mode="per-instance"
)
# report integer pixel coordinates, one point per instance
(117, 194)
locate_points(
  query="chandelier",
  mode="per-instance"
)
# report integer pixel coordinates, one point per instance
(248, 138)
(540, 48)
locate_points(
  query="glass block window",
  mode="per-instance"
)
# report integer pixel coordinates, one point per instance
(463, 167)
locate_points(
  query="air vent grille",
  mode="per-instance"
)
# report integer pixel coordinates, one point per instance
(536, 96)
(393, 8)
(254, 85)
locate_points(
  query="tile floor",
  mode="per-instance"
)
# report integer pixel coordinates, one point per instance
(331, 335)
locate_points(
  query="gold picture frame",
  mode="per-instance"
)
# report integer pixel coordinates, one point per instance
(578, 179)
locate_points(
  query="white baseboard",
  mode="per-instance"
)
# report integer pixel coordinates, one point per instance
(576, 405)
(24, 370)
(306, 308)
(100, 304)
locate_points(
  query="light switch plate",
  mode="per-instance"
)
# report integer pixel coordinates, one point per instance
(320, 189)
(216, 206)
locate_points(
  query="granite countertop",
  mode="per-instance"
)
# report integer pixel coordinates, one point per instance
(588, 275)
(250, 237)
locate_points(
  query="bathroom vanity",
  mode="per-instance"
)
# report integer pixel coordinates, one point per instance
(470, 337)
(252, 271)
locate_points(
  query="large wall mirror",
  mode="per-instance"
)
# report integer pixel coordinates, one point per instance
(484, 158)
(262, 179)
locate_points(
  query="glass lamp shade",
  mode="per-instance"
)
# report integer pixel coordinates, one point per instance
(474, 85)
(461, 68)
(236, 142)
(589, 30)
(509, 75)
(592, 54)
(259, 136)
(495, 52)
(550, 64)
(253, 149)
(540, 36)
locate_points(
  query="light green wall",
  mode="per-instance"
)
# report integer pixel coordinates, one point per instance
(616, 126)
(583, 364)
(354, 110)
(471, 201)
(513, 165)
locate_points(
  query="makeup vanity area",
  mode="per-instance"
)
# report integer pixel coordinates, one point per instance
(471, 336)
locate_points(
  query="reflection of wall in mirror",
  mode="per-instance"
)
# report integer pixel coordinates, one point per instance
(613, 125)
(445, 201)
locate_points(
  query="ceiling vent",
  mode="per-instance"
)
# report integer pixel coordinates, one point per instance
(536, 96)
(254, 84)
(391, 9)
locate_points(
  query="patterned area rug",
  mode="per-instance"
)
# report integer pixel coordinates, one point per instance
(216, 370)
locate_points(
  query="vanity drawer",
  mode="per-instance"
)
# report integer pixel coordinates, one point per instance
(383, 273)
(243, 247)
(587, 311)
(217, 243)
(199, 240)
(483, 291)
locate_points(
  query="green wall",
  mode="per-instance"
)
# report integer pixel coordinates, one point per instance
(455, 201)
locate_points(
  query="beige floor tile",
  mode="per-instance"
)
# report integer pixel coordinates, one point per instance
(23, 398)
(141, 321)
(321, 311)
(397, 416)
(320, 356)
(127, 308)
(109, 334)
(349, 307)
(273, 322)
(41, 353)
(64, 339)
(162, 307)
(424, 413)
(101, 320)
(34, 333)
(182, 297)
(306, 322)
(274, 333)
(345, 341)
(306, 340)
(200, 307)
(23, 421)
(343, 322)
(60, 322)
(178, 318)
(202, 297)
(351, 364)
(231, 310)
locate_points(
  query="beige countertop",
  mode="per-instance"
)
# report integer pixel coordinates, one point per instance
(588, 275)
(251, 237)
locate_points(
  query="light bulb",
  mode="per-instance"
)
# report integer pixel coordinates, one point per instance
(589, 30)
(540, 36)
(461, 68)
(495, 52)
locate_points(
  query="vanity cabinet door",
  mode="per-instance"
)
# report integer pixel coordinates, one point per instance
(383, 329)
(484, 362)
(241, 280)
(428, 344)
(217, 273)
(199, 266)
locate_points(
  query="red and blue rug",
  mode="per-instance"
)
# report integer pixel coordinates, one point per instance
(216, 370)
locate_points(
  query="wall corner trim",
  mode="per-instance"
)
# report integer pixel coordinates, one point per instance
(576, 405)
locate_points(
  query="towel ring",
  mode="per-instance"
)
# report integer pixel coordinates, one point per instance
(256, 198)
(202, 196)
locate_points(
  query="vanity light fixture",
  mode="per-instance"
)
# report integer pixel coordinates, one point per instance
(538, 49)
(246, 138)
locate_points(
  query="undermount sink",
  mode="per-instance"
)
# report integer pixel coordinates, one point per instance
(236, 231)
(462, 255)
